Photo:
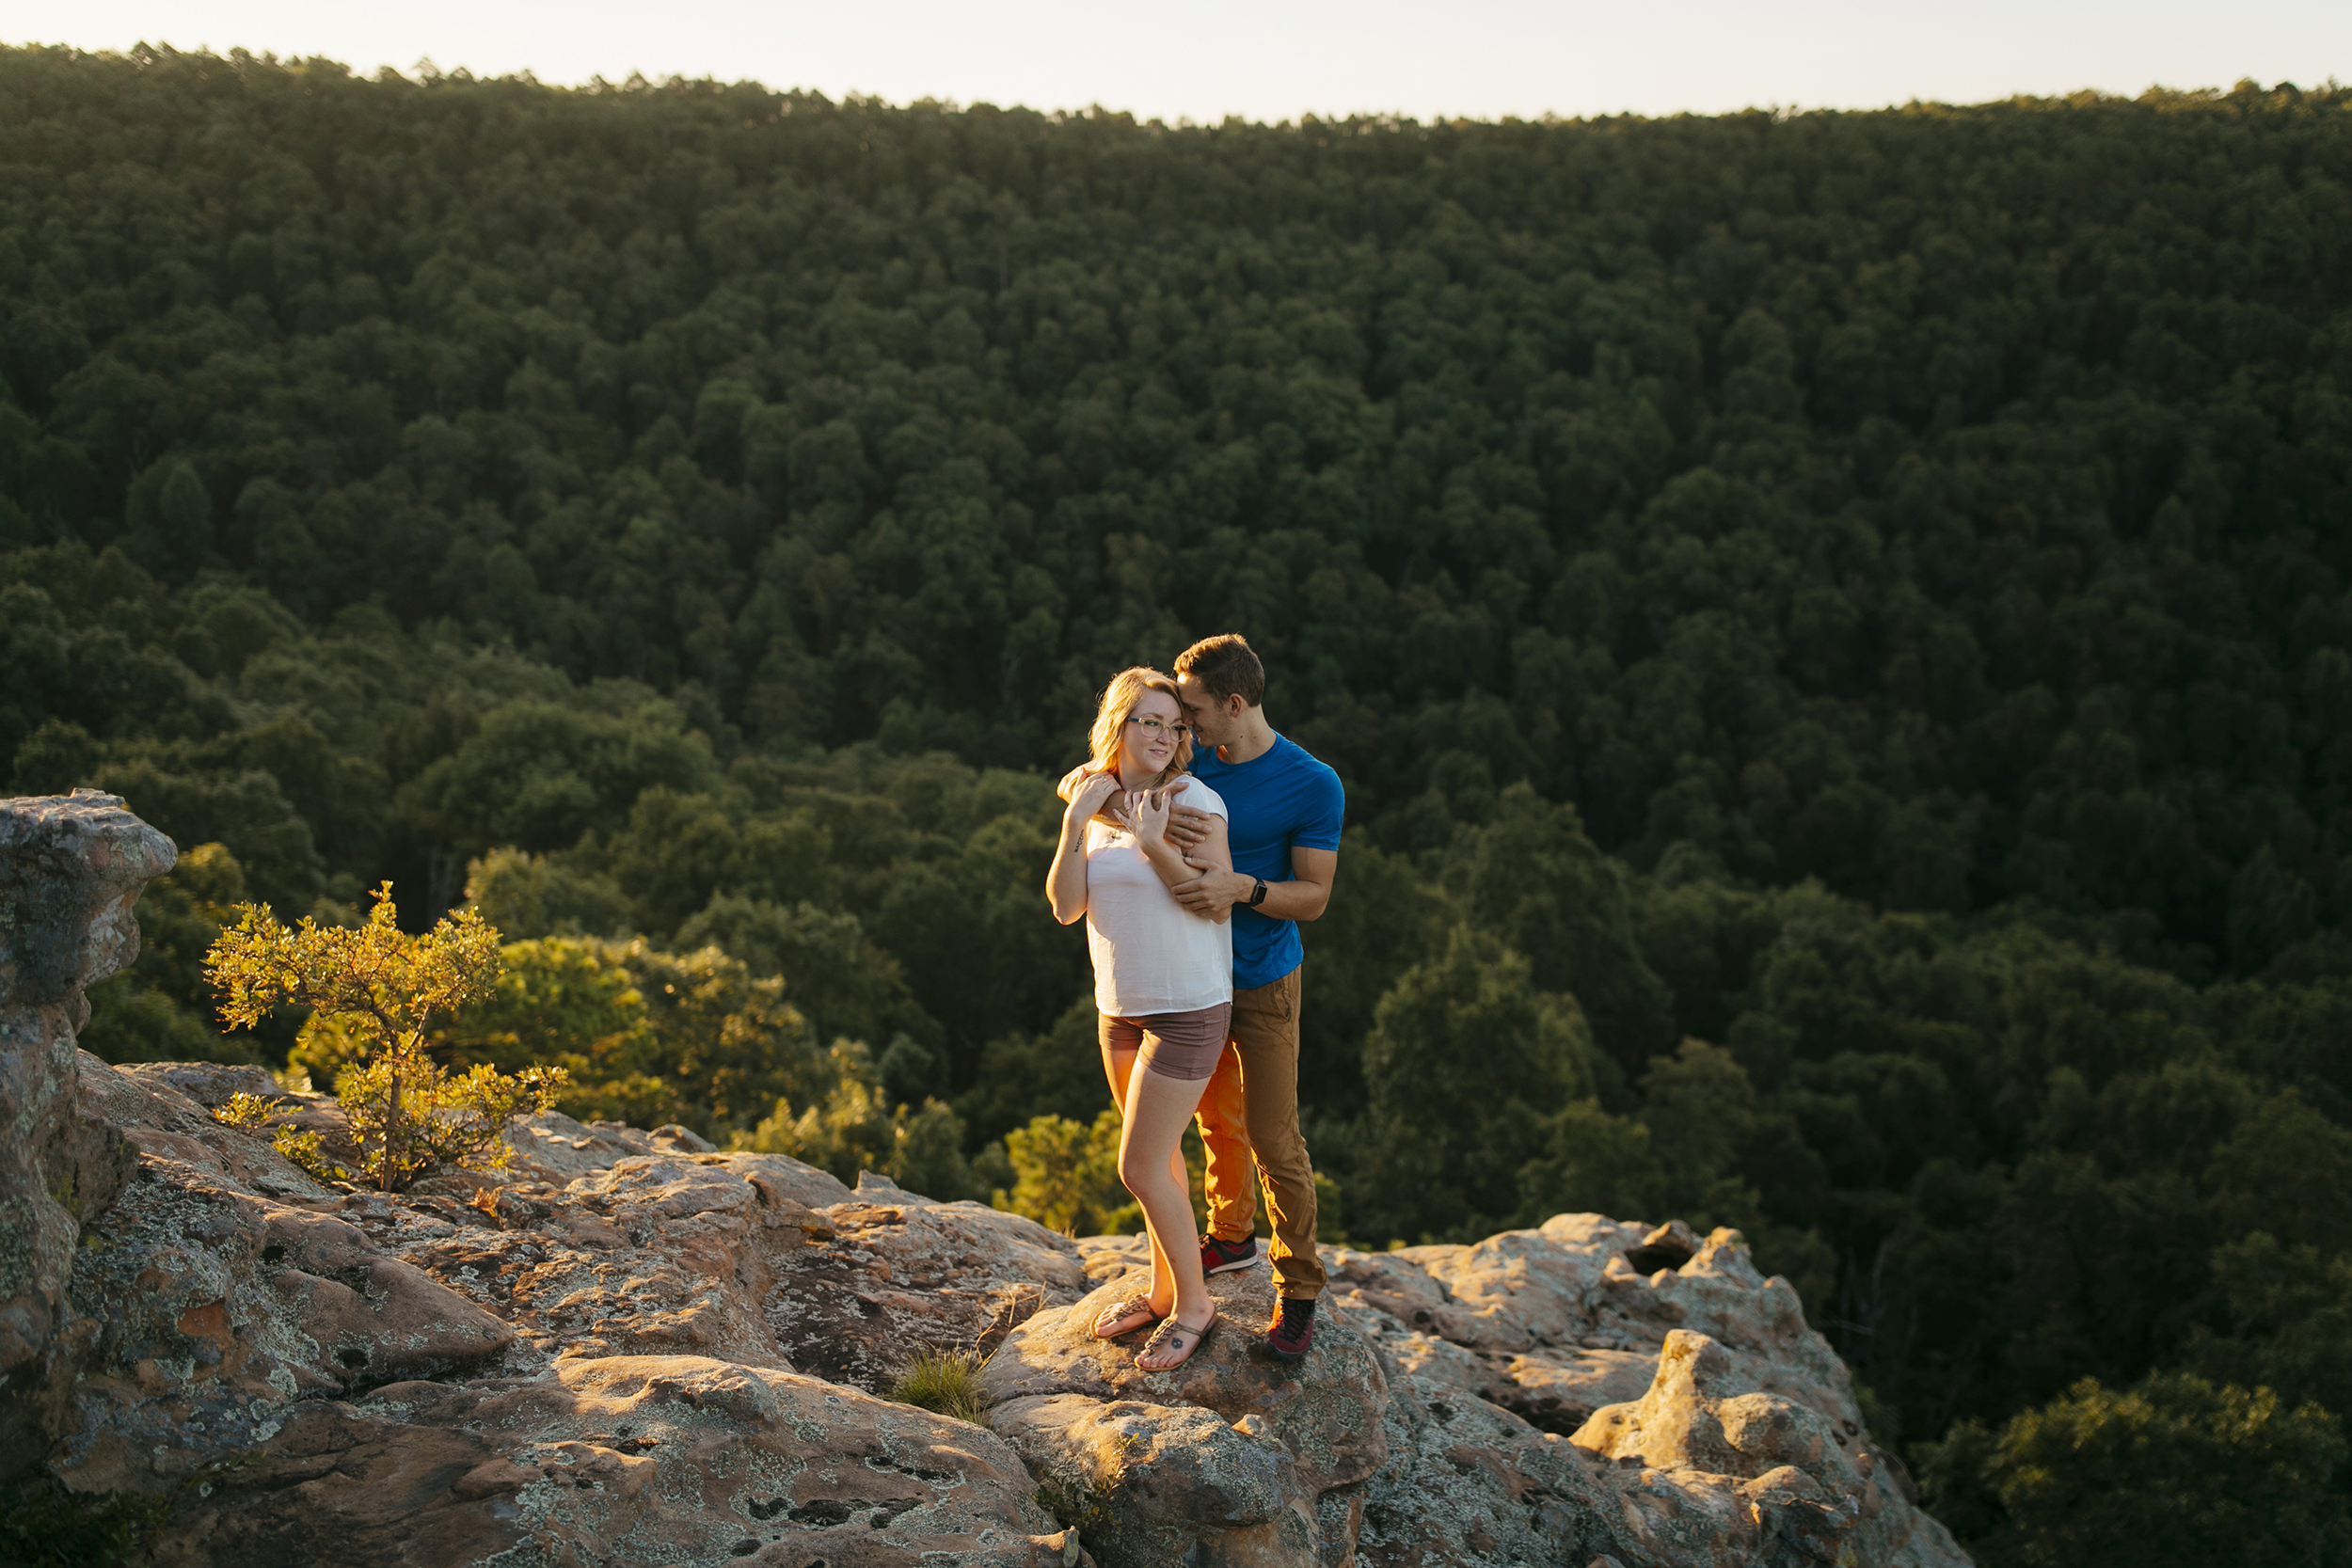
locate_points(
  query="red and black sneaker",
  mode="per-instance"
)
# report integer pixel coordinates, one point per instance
(1292, 1332)
(1221, 1257)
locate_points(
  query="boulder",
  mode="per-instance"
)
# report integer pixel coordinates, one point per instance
(1469, 1483)
(657, 1253)
(210, 1084)
(619, 1459)
(70, 868)
(1542, 1410)
(1227, 1459)
(255, 1348)
(1558, 1390)
(1814, 1488)
(1702, 1472)
(154, 1115)
(879, 1282)
(1109, 1257)
(551, 1146)
(1562, 1323)
(204, 1307)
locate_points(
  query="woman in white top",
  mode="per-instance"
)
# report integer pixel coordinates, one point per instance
(1162, 982)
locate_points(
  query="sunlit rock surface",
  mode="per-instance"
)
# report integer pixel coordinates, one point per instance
(631, 1346)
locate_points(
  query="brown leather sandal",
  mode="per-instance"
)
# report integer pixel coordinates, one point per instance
(1178, 1336)
(1124, 1318)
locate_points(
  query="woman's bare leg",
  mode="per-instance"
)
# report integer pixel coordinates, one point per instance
(1149, 1163)
(1119, 1067)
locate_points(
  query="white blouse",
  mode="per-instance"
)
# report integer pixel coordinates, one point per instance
(1150, 954)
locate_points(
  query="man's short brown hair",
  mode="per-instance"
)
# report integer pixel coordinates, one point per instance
(1225, 665)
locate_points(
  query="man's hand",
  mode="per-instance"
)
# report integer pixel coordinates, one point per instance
(1212, 894)
(1187, 825)
(1304, 897)
(1078, 775)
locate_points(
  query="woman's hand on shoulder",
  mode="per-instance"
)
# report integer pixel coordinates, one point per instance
(1087, 795)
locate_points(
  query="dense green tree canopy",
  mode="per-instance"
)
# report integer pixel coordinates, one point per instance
(1931, 501)
(1836, 629)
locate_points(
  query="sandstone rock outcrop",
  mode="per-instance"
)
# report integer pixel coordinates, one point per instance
(622, 1459)
(639, 1320)
(1231, 1458)
(1526, 1359)
(70, 867)
(632, 1347)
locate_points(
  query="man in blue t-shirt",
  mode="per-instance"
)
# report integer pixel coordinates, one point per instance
(1284, 814)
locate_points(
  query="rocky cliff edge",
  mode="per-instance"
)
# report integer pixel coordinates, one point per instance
(633, 1348)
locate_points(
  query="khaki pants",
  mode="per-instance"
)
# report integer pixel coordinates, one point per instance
(1252, 1104)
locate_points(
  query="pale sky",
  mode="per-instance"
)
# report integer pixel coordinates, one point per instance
(1278, 59)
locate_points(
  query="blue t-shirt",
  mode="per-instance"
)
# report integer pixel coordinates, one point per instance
(1274, 803)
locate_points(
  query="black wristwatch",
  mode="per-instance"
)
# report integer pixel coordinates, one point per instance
(1256, 894)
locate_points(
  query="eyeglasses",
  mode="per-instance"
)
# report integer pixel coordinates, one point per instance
(1157, 727)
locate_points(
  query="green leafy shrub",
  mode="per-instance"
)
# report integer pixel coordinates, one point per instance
(1066, 1176)
(415, 1114)
(379, 988)
(305, 1147)
(853, 1128)
(647, 1036)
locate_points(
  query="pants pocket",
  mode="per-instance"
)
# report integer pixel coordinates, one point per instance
(1274, 1003)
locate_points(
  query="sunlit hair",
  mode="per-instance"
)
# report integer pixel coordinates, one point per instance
(1227, 666)
(1121, 699)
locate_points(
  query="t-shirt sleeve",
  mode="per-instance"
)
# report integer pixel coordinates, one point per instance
(1323, 808)
(1201, 798)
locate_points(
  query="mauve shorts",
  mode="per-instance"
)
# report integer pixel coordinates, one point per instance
(1174, 1045)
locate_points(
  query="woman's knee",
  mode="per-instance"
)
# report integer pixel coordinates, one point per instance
(1139, 1168)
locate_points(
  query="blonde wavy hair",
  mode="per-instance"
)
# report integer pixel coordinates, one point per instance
(1121, 699)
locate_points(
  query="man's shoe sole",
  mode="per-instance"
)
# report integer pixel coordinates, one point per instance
(1240, 1263)
(1287, 1356)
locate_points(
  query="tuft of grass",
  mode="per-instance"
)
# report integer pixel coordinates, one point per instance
(947, 1382)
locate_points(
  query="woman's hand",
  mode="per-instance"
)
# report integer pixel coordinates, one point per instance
(1066, 878)
(1087, 796)
(1147, 812)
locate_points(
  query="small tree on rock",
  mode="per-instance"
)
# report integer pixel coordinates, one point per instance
(381, 988)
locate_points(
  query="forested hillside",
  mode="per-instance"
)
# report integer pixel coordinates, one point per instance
(1836, 628)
